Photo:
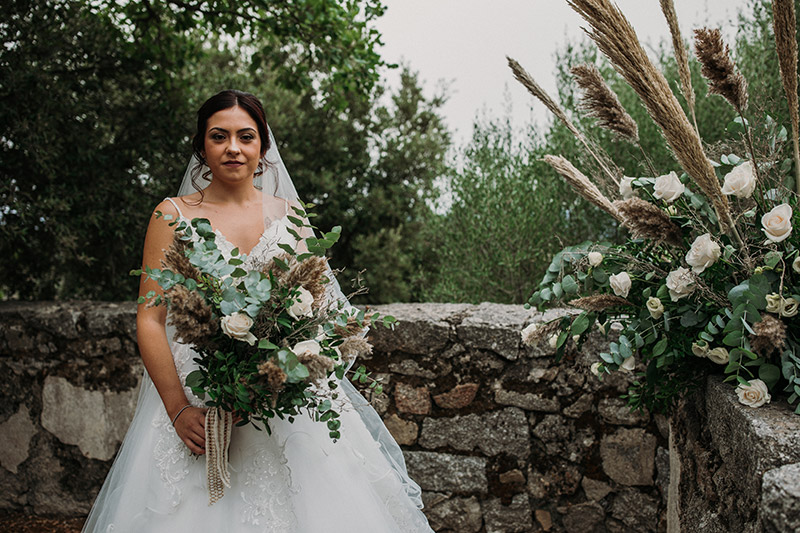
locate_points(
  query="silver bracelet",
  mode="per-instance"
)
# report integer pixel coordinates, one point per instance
(179, 413)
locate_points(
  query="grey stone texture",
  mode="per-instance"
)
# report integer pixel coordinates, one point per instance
(444, 472)
(498, 435)
(731, 466)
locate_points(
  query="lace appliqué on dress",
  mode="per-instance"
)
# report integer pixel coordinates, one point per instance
(171, 457)
(267, 484)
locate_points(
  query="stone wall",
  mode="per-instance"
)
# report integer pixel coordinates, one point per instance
(499, 436)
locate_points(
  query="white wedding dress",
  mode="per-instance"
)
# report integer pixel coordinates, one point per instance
(294, 480)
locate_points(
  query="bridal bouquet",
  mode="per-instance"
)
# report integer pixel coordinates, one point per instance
(272, 341)
(709, 277)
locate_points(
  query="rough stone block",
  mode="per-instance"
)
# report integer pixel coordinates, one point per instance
(780, 499)
(513, 518)
(444, 472)
(595, 490)
(584, 517)
(404, 431)
(95, 421)
(15, 439)
(458, 397)
(493, 433)
(629, 456)
(638, 511)
(579, 406)
(452, 514)
(616, 411)
(526, 400)
(415, 401)
(421, 328)
(512, 477)
(495, 327)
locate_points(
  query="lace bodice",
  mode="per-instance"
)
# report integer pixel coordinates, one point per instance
(274, 233)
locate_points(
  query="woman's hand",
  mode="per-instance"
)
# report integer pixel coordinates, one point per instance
(191, 428)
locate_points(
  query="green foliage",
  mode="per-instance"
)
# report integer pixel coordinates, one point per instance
(99, 104)
(509, 211)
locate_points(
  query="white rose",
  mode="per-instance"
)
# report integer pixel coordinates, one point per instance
(553, 341)
(620, 283)
(237, 326)
(741, 181)
(779, 305)
(680, 283)
(700, 349)
(628, 364)
(626, 188)
(718, 355)
(310, 346)
(703, 253)
(302, 304)
(527, 334)
(777, 224)
(595, 368)
(655, 307)
(595, 258)
(796, 264)
(789, 307)
(754, 395)
(668, 187)
(774, 302)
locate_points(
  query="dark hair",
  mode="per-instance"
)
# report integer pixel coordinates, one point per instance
(225, 100)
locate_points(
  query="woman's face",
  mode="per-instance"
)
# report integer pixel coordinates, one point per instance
(232, 145)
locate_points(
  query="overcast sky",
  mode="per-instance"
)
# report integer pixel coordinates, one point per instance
(464, 42)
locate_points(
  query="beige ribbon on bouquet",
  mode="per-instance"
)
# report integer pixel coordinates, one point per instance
(219, 425)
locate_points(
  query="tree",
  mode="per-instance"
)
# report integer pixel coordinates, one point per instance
(99, 99)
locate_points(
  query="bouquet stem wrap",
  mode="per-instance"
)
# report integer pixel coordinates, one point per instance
(218, 439)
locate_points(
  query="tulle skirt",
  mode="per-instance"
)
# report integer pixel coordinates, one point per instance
(294, 480)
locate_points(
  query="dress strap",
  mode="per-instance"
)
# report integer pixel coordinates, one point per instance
(176, 206)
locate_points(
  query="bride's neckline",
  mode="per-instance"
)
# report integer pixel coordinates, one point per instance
(222, 237)
(261, 239)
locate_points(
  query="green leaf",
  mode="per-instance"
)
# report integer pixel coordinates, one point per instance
(265, 344)
(769, 374)
(569, 284)
(660, 346)
(580, 324)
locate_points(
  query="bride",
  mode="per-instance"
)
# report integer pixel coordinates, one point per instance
(294, 480)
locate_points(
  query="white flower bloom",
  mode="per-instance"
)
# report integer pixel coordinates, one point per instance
(527, 334)
(553, 341)
(774, 302)
(777, 224)
(796, 264)
(595, 368)
(741, 181)
(655, 307)
(754, 395)
(576, 338)
(789, 307)
(700, 348)
(310, 346)
(302, 304)
(786, 307)
(628, 364)
(620, 283)
(718, 355)
(595, 258)
(668, 187)
(237, 326)
(703, 253)
(680, 283)
(626, 188)
(320, 336)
